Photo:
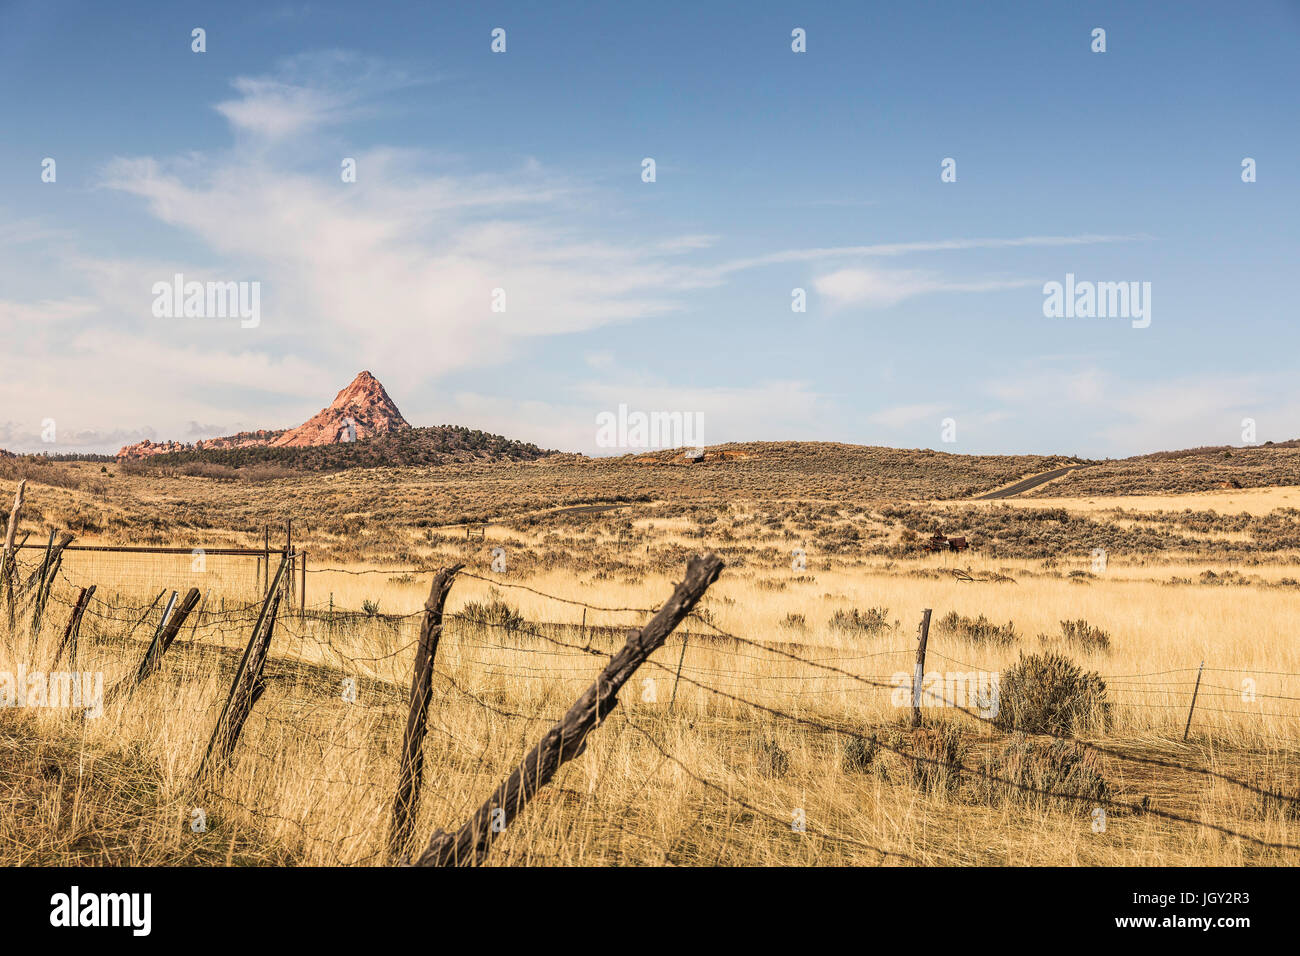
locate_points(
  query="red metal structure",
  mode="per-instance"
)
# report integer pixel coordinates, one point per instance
(939, 542)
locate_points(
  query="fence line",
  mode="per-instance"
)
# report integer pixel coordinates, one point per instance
(127, 614)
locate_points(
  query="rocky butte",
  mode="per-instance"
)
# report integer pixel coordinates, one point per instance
(362, 410)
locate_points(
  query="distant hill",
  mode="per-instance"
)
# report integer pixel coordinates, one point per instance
(361, 428)
(1178, 472)
(437, 445)
(361, 410)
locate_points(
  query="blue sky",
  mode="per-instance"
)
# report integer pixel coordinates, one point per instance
(775, 170)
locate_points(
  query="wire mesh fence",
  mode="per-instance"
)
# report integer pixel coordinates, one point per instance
(712, 727)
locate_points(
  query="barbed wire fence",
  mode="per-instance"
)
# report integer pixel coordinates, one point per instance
(325, 660)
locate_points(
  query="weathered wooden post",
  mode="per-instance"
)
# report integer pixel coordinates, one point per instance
(1195, 691)
(69, 640)
(410, 772)
(8, 563)
(168, 628)
(247, 687)
(45, 582)
(198, 614)
(922, 637)
(288, 549)
(567, 739)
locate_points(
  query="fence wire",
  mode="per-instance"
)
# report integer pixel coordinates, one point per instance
(340, 685)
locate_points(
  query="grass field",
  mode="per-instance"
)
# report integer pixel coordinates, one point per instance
(790, 707)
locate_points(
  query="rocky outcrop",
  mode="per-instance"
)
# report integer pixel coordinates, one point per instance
(362, 410)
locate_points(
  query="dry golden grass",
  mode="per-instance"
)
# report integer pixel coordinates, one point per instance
(686, 785)
(709, 768)
(1255, 501)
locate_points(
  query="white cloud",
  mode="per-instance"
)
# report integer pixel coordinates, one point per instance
(395, 271)
(878, 288)
(908, 248)
(309, 91)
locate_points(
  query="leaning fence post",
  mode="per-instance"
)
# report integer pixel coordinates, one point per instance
(1195, 690)
(168, 628)
(244, 693)
(922, 636)
(49, 572)
(410, 771)
(469, 845)
(69, 639)
(198, 615)
(8, 563)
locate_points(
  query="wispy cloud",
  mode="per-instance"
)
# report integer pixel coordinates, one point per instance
(826, 253)
(877, 288)
(400, 270)
(310, 91)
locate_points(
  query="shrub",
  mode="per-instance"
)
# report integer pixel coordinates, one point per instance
(929, 757)
(795, 622)
(871, 621)
(1083, 635)
(858, 753)
(371, 608)
(1050, 694)
(938, 752)
(1034, 772)
(980, 629)
(496, 613)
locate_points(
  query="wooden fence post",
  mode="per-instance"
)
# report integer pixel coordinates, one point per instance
(168, 628)
(247, 687)
(469, 845)
(198, 615)
(302, 592)
(410, 773)
(1195, 690)
(69, 639)
(922, 636)
(9, 563)
(49, 573)
(288, 547)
